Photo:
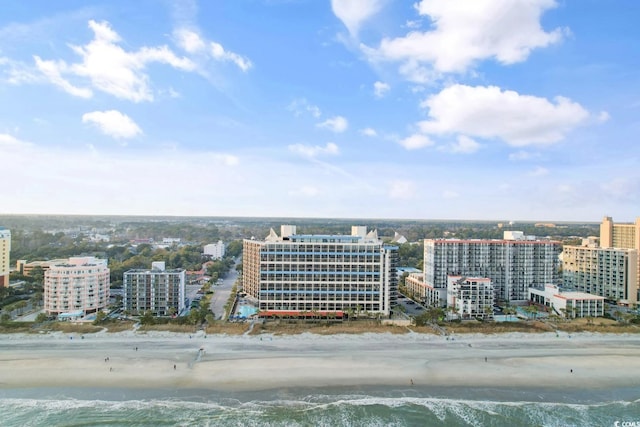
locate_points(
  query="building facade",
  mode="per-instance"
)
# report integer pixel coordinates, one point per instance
(321, 273)
(79, 284)
(608, 272)
(157, 290)
(513, 264)
(5, 255)
(419, 290)
(471, 297)
(214, 250)
(568, 304)
(621, 235)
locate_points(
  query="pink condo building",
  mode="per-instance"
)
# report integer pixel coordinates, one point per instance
(79, 284)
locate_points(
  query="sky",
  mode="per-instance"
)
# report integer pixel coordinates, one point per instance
(432, 109)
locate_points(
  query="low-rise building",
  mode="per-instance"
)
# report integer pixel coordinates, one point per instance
(568, 304)
(419, 290)
(470, 297)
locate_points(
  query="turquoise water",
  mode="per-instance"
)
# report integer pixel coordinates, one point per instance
(399, 407)
(246, 311)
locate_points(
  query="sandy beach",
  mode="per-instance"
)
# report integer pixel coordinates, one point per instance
(220, 362)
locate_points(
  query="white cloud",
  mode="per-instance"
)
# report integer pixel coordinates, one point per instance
(189, 40)
(402, 189)
(463, 32)
(337, 124)
(369, 132)
(218, 52)
(9, 141)
(539, 171)
(110, 68)
(225, 159)
(301, 105)
(415, 141)
(522, 155)
(464, 145)
(330, 149)
(603, 116)
(380, 89)
(489, 112)
(113, 123)
(353, 13)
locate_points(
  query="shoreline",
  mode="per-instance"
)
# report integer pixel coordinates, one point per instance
(251, 363)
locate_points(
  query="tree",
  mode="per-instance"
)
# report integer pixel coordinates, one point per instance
(100, 317)
(41, 318)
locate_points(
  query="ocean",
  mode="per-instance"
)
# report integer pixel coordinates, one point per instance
(76, 407)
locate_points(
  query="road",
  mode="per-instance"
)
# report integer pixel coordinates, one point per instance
(222, 292)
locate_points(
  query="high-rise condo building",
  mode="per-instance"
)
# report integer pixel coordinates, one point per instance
(608, 272)
(5, 252)
(328, 274)
(623, 235)
(77, 285)
(513, 264)
(157, 290)
(214, 250)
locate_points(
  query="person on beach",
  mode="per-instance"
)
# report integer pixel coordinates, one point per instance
(174, 367)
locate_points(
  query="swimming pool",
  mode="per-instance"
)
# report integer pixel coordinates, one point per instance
(246, 311)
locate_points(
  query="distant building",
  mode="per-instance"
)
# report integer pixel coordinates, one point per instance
(328, 274)
(5, 254)
(27, 268)
(158, 290)
(399, 238)
(514, 264)
(409, 270)
(568, 304)
(77, 284)
(471, 297)
(215, 250)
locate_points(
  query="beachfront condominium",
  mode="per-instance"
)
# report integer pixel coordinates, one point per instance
(514, 264)
(156, 290)
(78, 285)
(608, 272)
(470, 297)
(621, 235)
(328, 274)
(5, 252)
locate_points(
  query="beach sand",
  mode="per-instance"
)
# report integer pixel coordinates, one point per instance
(220, 362)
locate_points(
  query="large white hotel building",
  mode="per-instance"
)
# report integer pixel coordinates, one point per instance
(328, 274)
(514, 264)
(79, 284)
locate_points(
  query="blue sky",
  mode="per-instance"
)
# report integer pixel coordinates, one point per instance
(433, 109)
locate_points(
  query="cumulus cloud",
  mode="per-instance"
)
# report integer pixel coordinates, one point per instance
(189, 40)
(464, 32)
(337, 124)
(113, 123)
(218, 52)
(300, 106)
(464, 145)
(380, 89)
(489, 112)
(353, 13)
(108, 67)
(369, 132)
(311, 151)
(415, 141)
